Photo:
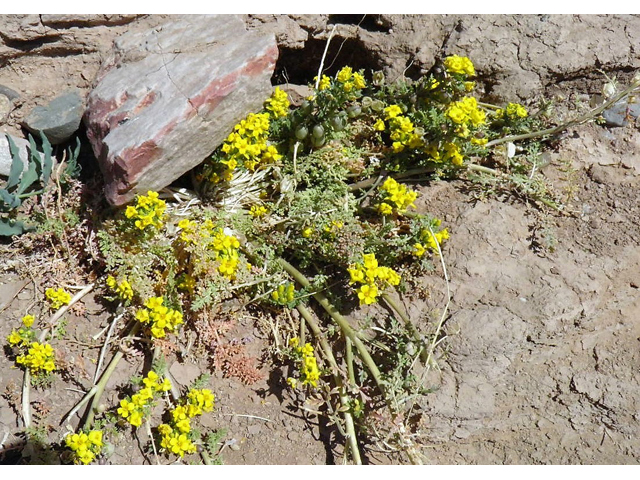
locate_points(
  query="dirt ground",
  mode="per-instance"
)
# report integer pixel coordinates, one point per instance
(539, 364)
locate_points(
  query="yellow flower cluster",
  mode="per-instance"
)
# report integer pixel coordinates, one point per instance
(134, 409)
(122, 289)
(174, 437)
(350, 80)
(457, 64)
(325, 82)
(284, 294)
(278, 104)
(148, 211)
(57, 298)
(159, 318)
(38, 359)
(401, 129)
(430, 241)
(174, 441)
(22, 336)
(331, 228)
(372, 278)
(258, 211)
(86, 446)
(450, 153)
(186, 283)
(225, 246)
(512, 111)
(397, 197)
(466, 112)
(247, 144)
(309, 372)
(199, 401)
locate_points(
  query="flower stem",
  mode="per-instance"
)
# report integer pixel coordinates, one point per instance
(344, 398)
(571, 123)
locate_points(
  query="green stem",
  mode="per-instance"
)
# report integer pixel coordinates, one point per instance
(102, 383)
(344, 398)
(342, 323)
(571, 123)
(409, 173)
(349, 358)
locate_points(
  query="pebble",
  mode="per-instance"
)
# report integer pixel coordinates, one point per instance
(9, 93)
(620, 113)
(59, 119)
(6, 105)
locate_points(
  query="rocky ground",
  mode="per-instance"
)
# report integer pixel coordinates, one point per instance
(541, 357)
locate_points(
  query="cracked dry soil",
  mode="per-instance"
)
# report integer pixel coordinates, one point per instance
(541, 357)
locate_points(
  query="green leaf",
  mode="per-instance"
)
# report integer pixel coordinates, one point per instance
(16, 164)
(72, 170)
(47, 161)
(8, 201)
(28, 178)
(9, 227)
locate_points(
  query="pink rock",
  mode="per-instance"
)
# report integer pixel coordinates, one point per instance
(166, 98)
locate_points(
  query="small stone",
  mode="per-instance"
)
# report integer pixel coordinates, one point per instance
(59, 119)
(9, 93)
(6, 105)
(620, 113)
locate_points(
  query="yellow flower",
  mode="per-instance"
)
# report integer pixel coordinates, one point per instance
(344, 75)
(419, 250)
(14, 338)
(385, 209)
(357, 274)
(367, 294)
(457, 64)
(58, 297)
(325, 82)
(258, 211)
(307, 232)
(28, 320)
(131, 212)
(379, 125)
(358, 81)
(392, 111)
(95, 437)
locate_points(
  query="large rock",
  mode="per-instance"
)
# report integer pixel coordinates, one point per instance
(166, 98)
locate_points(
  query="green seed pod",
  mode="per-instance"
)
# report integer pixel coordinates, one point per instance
(302, 132)
(318, 131)
(354, 111)
(337, 123)
(318, 142)
(306, 107)
(366, 102)
(378, 78)
(377, 106)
